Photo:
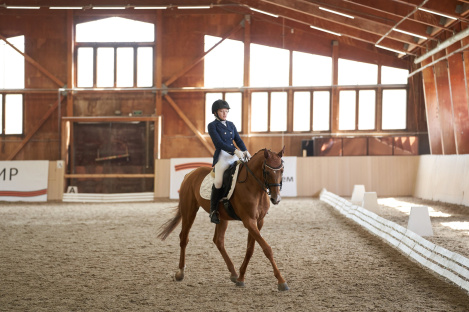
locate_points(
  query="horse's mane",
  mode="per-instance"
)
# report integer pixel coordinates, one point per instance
(274, 160)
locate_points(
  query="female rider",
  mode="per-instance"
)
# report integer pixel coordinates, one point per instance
(223, 133)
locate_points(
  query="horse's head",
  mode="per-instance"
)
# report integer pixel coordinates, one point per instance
(273, 174)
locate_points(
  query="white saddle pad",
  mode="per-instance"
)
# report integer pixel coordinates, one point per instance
(206, 186)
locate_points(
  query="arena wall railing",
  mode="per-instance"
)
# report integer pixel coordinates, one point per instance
(446, 263)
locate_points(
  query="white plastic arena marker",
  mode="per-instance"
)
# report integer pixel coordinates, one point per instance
(370, 202)
(357, 194)
(72, 189)
(419, 221)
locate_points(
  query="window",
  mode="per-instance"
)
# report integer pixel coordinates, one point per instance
(301, 111)
(357, 73)
(311, 70)
(269, 66)
(11, 77)
(347, 108)
(394, 109)
(224, 65)
(265, 104)
(123, 50)
(366, 109)
(235, 101)
(278, 111)
(391, 75)
(259, 111)
(321, 110)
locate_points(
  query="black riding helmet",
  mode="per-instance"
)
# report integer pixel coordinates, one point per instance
(219, 104)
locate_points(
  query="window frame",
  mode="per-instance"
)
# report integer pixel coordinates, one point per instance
(115, 45)
(4, 117)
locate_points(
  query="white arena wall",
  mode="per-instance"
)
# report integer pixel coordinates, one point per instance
(442, 178)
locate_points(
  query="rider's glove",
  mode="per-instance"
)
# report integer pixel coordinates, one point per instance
(239, 153)
(247, 155)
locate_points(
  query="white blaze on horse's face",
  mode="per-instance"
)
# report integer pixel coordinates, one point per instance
(276, 178)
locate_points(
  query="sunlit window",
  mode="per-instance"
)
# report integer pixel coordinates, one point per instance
(259, 111)
(278, 111)
(234, 99)
(120, 46)
(11, 77)
(357, 73)
(392, 75)
(366, 109)
(321, 110)
(224, 65)
(394, 111)
(301, 111)
(311, 70)
(347, 108)
(115, 29)
(269, 66)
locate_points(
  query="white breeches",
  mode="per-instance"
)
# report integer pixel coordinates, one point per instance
(224, 161)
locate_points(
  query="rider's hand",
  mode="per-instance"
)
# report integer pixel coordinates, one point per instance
(239, 153)
(247, 155)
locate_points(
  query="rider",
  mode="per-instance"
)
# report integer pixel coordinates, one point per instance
(222, 133)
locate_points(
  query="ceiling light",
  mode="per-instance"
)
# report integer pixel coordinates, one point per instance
(389, 49)
(23, 7)
(437, 13)
(108, 8)
(194, 7)
(151, 8)
(335, 12)
(264, 12)
(65, 8)
(325, 30)
(409, 33)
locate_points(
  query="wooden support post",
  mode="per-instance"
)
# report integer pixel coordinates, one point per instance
(334, 114)
(247, 61)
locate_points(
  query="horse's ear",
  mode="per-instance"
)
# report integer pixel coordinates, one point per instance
(266, 153)
(280, 154)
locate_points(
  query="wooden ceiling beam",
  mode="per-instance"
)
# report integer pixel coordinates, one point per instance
(310, 13)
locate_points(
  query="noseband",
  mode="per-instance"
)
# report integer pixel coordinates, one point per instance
(265, 186)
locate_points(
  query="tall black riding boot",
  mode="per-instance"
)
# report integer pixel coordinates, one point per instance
(214, 201)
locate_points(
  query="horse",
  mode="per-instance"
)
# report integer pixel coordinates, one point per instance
(258, 179)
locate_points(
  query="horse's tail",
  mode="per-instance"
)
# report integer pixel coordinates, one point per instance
(170, 225)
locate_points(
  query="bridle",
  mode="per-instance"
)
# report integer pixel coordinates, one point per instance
(265, 186)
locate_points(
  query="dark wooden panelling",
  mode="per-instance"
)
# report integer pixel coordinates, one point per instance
(445, 105)
(355, 147)
(380, 146)
(431, 103)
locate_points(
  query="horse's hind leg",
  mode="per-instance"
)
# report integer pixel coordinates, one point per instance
(189, 212)
(219, 240)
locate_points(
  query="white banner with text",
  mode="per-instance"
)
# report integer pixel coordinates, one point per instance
(24, 180)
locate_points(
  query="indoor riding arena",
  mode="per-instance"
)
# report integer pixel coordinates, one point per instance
(348, 123)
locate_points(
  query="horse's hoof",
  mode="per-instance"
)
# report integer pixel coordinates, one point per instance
(179, 275)
(283, 287)
(239, 284)
(234, 278)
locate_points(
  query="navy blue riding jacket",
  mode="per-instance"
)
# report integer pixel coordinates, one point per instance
(223, 137)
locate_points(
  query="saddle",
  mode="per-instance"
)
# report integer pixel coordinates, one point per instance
(230, 177)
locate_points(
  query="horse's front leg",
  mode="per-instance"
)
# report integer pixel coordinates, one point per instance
(219, 240)
(251, 225)
(249, 253)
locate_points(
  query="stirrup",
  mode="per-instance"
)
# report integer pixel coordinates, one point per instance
(214, 217)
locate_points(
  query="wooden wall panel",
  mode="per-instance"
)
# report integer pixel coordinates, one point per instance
(445, 105)
(431, 104)
(460, 99)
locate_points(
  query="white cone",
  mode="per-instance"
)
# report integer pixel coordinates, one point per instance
(357, 194)
(419, 221)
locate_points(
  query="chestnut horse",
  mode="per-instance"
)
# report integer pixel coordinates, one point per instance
(257, 178)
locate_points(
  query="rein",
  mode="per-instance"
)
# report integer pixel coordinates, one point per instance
(265, 186)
